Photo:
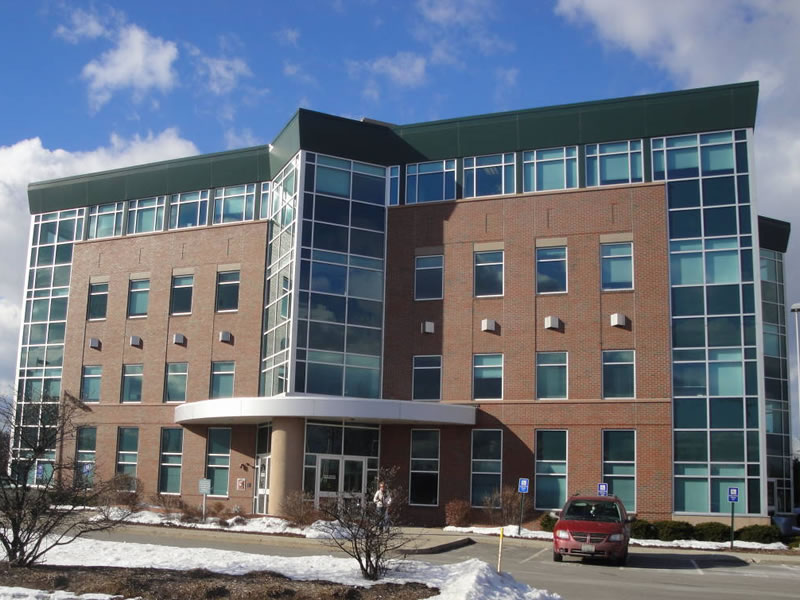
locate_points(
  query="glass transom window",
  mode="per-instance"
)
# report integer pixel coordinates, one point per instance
(431, 181)
(614, 163)
(550, 169)
(489, 175)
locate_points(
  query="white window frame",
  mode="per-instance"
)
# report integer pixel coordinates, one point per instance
(220, 284)
(222, 195)
(536, 474)
(162, 463)
(185, 198)
(228, 455)
(85, 376)
(93, 293)
(135, 209)
(119, 452)
(414, 375)
(85, 457)
(593, 151)
(175, 286)
(506, 159)
(531, 157)
(626, 462)
(565, 260)
(125, 376)
(184, 374)
(419, 268)
(438, 459)
(605, 258)
(472, 460)
(566, 372)
(445, 167)
(502, 264)
(232, 372)
(502, 375)
(633, 362)
(117, 209)
(131, 292)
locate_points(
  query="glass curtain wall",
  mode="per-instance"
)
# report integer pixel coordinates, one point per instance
(715, 369)
(42, 338)
(340, 318)
(776, 383)
(281, 231)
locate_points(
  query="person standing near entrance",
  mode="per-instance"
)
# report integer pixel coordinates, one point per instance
(382, 500)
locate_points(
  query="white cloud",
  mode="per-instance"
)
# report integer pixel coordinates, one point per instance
(297, 72)
(29, 160)
(244, 138)
(733, 41)
(87, 25)
(505, 83)
(224, 73)
(288, 36)
(405, 69)
(139, 61)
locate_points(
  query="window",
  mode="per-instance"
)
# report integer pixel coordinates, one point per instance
(138, 296)
(431, 181)
(234, 204)
(394, 185)
(131, 383)
(98, 301)
(219, 459)
(619, 466)
(169, 476)
(617, 266)
(428, 276)
(423, 487)
(489, 175)
(551, 270)
(551, 169)
(181, 301)
(227, 291)
(188, 210)
(427, 378)
(551, 375)
(487, 465)
(146, 215)
(618, 374)
(264, 201)
(222, 379)
(489, 273)
(487, 376)
(614, 163)
(175, 382)
(85, 456)
(105, 220)
(90, 383)
(128, 453)
(551, 469)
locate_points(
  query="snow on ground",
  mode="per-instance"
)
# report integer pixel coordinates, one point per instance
(468, 580)
(513, 531)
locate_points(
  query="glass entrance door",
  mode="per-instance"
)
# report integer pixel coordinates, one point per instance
(772, 495)
(261, 496)
(340, 476)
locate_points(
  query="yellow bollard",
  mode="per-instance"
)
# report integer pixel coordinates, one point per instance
(500, 551)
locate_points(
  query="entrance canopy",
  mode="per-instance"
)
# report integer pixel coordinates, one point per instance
(259, 409)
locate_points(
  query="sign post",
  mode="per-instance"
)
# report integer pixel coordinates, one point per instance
(204, 487)
(522, 488)
(733, 498)
(602, 489)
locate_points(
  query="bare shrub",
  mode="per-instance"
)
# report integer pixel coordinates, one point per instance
(298, 509)
(219, 510)
(168, 504)
(457, 513)
(366, 531)
(505, 506)
(191, 514)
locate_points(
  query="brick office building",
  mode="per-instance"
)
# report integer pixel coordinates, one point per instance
(575, 294)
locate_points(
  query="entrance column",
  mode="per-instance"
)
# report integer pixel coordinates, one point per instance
(286, 470)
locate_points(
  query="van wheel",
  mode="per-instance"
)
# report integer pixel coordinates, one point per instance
(557, 557)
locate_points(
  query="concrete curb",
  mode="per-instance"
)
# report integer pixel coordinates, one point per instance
(440, 548)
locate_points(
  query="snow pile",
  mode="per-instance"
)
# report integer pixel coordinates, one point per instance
(18, 593)
(472, 579)
(514, 531)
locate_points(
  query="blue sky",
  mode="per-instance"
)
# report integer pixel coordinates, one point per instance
(89, 86)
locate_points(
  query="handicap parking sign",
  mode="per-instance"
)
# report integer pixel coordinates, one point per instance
(524, 482)
(602, 489)
(733, 494)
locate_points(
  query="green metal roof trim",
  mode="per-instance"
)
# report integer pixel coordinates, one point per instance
(672, 113)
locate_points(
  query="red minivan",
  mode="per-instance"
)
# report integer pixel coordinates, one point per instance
(594, 526)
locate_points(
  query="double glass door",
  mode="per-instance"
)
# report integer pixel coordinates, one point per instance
(340, 477)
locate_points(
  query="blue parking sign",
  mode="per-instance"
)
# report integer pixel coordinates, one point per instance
(602, 489)
(733, 494)
(524, 483)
